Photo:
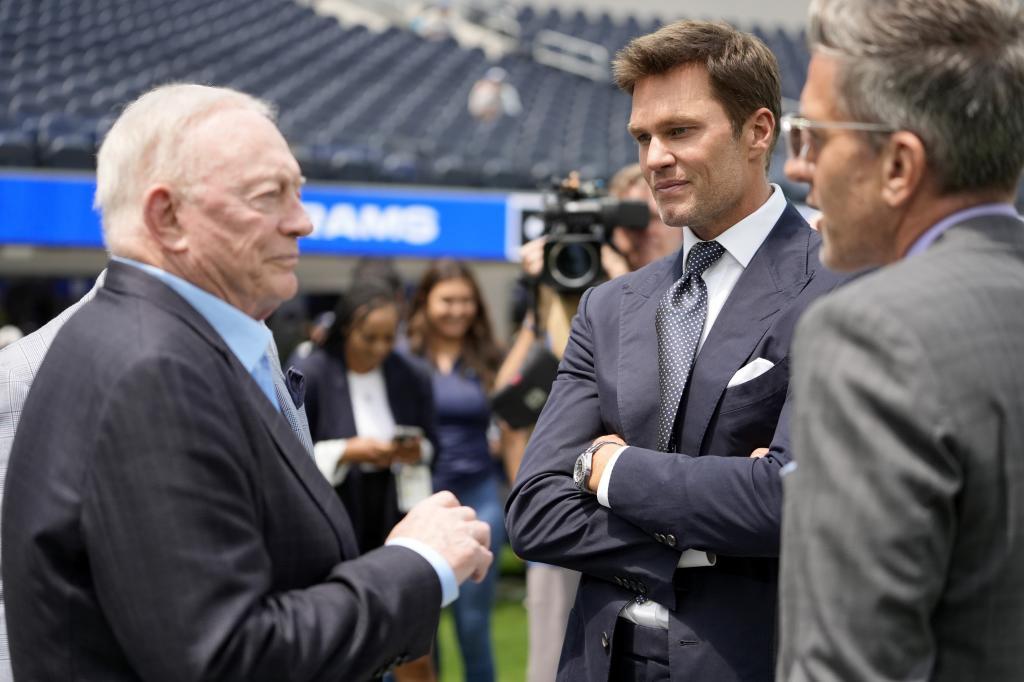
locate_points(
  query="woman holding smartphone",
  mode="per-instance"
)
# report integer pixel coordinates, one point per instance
(449, 328)
(371, 414)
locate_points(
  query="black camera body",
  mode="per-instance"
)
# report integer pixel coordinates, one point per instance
(578, 220)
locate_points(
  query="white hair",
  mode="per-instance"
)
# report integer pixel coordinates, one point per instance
(146, 145)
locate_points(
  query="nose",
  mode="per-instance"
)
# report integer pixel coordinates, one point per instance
(297, 222)
(382, 349)
(799, 170)
(802, 170)
(658, 155)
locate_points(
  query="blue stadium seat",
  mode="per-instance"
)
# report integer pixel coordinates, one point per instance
(356, 105)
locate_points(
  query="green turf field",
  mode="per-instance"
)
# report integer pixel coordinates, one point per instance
(508, 628)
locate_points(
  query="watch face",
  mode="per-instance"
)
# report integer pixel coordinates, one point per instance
(577, 472)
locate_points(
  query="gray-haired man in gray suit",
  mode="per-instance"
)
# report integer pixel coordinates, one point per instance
(903, 533)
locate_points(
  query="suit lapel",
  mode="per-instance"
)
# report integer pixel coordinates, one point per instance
(131, 281)
(777, 272)
(341, 409)
(396, 392)
(637, 387)
(299, 461)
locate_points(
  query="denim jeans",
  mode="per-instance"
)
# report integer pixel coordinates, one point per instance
(473, 608)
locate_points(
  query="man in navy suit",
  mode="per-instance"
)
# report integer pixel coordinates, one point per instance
(686, 361)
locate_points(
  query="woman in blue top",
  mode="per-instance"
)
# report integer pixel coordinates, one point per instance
(449, 327)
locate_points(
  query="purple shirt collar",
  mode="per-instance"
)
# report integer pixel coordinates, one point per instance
(936, 230)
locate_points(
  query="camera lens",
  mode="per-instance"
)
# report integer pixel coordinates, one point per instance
(574, 265)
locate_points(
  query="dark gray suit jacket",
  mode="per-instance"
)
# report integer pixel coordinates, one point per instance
(370, 498)
(711, 497)
(162, 522)
(903, 542)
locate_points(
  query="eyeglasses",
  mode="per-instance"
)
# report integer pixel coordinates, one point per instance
(801, 142)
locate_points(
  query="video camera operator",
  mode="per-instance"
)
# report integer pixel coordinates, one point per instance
(627, 248)
(551, 589)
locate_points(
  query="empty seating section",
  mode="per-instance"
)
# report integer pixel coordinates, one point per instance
(356, 105)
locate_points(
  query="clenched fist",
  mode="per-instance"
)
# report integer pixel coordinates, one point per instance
(453, 530)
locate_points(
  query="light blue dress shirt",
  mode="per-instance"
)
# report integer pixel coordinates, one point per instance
(935, 231)
(248, 340)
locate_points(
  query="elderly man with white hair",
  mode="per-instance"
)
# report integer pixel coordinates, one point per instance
(161, 520)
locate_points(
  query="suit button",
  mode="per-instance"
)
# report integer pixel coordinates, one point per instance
(670, 540)
(659, 537)
(604, 640)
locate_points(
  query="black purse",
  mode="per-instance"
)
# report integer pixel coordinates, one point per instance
(520, 401)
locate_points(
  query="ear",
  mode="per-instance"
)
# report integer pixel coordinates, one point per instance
(160, 215)
(759, 132)
(904, 168)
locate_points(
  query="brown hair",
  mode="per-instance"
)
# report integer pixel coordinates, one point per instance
(480, 353)
(744, 73)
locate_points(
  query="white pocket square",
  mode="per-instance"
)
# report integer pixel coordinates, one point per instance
(751, 370)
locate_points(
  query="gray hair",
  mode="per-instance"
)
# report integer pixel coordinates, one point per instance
(147, 145)
(951, 71)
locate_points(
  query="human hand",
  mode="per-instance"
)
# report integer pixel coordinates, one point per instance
(531, 256)
(453, 531)
(408, 450)
(379, 453)
(760, 452)
(601, 457)
(613, 262)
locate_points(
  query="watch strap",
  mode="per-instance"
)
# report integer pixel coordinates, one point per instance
(587, 455)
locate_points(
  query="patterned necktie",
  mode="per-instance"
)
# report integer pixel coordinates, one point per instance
(296, 416)
(679, 323)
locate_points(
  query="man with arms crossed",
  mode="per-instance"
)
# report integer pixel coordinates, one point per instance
(686, 360)
(903, 541)
(161, 520)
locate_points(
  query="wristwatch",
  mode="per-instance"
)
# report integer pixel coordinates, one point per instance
(585, 464)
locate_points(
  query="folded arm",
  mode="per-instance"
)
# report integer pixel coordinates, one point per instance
(548, 518)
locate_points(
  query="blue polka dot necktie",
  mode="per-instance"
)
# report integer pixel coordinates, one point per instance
(679, 323)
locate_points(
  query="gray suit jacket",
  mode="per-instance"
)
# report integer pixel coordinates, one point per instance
(173, 527)
(903, 534)
(19, 363)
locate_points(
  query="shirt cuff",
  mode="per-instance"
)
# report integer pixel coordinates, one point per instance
(606, 477)
(328, 455)
(445, 574)
(426, 451)
(695, 558)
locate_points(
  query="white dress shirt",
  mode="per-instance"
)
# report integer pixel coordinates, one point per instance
(373, 419)
(741, 242)
(371, 411)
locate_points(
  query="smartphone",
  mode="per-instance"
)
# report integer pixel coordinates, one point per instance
(404, 435)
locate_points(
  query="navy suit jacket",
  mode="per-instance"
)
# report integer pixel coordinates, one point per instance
(710, 495)
(370, 497)
(162, 521)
